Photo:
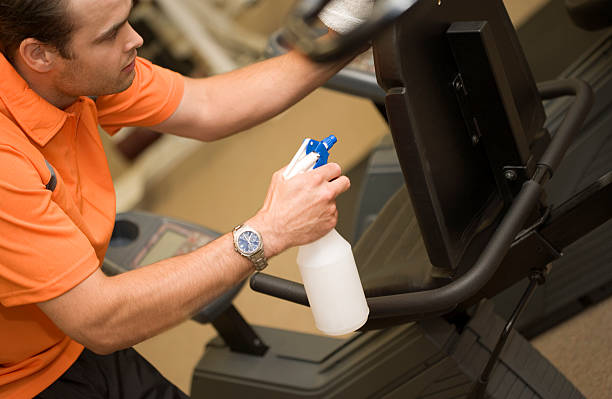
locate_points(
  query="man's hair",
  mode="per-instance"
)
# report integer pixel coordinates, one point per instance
(44, 20)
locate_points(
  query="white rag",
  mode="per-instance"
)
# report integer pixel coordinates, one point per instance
(343, 16)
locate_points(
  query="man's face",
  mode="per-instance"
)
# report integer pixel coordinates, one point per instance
(103, 48)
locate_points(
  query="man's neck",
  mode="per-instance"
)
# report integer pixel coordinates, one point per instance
(41, 85)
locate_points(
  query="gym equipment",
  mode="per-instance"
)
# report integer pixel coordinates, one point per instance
(470, 138)
(583, 275)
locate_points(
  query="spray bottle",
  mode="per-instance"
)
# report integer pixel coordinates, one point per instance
(327, 265)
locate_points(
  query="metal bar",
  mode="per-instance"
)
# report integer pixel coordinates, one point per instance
(447, 297)
(574, 119)
(575, 218)
(480, 387)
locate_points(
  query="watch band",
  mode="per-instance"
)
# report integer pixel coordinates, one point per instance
(258, 258)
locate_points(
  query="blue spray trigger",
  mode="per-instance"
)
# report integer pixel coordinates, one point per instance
(311, 146)
(322, 148)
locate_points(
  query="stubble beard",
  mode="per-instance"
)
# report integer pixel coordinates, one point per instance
(101, 85)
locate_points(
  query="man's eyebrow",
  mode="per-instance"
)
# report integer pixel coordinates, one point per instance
(110, 31)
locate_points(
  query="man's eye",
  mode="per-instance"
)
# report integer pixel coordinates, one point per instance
(113, 35)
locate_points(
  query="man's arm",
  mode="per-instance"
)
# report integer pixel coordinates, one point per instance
(218, 106)
(106, 314)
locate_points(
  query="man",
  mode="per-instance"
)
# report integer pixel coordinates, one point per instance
(67, 66)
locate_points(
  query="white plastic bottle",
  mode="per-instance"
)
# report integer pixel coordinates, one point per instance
(332, 284)
(327, 265)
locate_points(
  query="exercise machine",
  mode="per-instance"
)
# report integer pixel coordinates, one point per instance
(470, 136)
(582, 276)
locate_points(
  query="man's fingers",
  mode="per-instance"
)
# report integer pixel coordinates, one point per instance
(340, 185)
(329, 171)
(332, 173)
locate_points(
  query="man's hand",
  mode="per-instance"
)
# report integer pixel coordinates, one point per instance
(343, 16)
(300, 210)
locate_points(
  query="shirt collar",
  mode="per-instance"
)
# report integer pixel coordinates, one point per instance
(39, 119)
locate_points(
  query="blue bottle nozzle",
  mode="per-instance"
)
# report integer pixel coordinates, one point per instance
(310, 155)
(329, 142)
(322, 148)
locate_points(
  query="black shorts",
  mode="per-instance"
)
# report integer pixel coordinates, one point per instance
(123, 374)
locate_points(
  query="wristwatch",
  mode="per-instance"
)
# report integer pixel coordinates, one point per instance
(248, 243)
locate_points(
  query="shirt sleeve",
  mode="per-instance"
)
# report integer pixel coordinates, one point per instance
(152, 98)
(42, 253)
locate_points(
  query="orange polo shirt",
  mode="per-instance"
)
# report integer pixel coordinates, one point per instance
(51, 241)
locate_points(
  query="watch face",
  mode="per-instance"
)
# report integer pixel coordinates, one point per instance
(248, 242)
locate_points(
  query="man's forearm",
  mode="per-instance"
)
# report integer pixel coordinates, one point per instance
(123, 310)
(154, 298)
(221, 105)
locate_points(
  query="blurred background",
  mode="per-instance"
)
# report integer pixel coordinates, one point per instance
(205, 183)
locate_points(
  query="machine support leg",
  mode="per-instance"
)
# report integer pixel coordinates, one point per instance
(537, 277)
(238, 334)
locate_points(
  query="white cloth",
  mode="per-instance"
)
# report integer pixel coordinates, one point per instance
(343, 16)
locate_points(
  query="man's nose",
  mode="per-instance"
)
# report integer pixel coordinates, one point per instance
(135, 40)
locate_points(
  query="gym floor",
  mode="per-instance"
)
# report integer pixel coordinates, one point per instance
(209, 188)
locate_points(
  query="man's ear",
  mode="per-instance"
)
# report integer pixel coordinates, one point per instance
(38, 56)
